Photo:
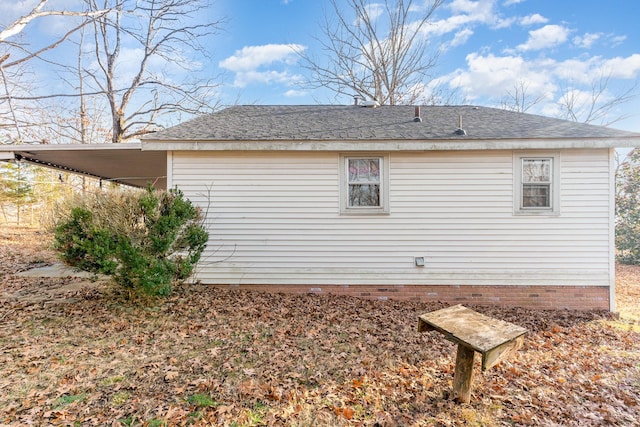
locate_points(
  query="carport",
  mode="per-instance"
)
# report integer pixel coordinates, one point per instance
(124, 163)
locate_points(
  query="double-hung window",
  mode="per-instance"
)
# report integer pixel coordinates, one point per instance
(364, 184)
(536, 184)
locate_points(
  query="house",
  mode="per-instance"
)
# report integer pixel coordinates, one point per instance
(461, 204)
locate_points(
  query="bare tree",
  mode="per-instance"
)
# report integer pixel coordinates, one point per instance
(520, 99)
(80, 118)
(375, 51)
(17, 115)
(160, 31)
(18, 119)
(597, 103)
(141, 51)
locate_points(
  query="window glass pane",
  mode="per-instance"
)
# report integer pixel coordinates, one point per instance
(536, 196)
(536, 170)
(366, 195)
(364, 183)
(364, 170)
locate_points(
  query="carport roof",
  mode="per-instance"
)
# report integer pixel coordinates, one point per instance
(123, 163)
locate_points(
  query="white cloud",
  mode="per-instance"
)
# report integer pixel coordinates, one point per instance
(465, 13)
(584, 71)
(461, 37)
(249, 62)
(576, 70)
(616, 40)
(252, 57)
(545, 37)
(533, 20)
(512, 2)
(492, 76)
(261, 77)
(292, 93)
(487, 79)
(469, 7)
(587, 40)
(623, 68)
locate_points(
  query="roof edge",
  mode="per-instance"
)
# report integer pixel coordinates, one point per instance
(71, 147)
(393, 145)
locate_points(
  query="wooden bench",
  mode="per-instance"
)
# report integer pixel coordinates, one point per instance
(494, 339)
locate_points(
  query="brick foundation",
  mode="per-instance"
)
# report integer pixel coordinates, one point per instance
(543, 297)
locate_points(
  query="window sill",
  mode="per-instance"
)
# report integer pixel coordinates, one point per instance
(536, 213)
(365, 213)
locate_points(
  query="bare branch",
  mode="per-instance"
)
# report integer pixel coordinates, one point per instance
(19, 24)
(378, 56)
(10, 103)
(519, 99)
(162, 33)
(597, 104)
(39, 52)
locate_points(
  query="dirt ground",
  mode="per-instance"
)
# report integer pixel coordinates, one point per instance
(74, 352)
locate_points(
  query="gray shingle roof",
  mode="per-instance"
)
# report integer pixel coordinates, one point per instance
(357, 123)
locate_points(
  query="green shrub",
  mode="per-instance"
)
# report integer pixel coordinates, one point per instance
(147, 241)
(83, 245)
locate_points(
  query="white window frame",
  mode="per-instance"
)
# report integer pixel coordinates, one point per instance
(554, 185)
(383, 208)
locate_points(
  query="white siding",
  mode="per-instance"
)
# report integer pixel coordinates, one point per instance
(274, 218)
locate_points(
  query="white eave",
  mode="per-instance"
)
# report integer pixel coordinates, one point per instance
(394, 145)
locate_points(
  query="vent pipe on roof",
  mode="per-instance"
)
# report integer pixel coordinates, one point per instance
(460, 131)
(356, 99)
(416, 114)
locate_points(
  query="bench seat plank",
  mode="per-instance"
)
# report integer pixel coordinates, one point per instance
(491, 337)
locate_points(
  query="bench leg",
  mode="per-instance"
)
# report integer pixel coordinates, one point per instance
(463, 376)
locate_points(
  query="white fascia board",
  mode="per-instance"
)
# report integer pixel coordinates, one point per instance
(394, 145)
(72, 147)
(6, 156)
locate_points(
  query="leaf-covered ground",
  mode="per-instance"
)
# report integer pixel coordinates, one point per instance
(81, 355)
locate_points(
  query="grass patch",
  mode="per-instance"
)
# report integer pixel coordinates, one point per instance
(128, 421)
(120, 398)
(114, 380)
(69, 399)
(202, 401)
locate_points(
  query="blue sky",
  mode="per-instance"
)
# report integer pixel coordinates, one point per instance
(487, 48)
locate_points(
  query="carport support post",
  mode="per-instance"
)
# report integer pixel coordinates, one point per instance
(463, 376)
